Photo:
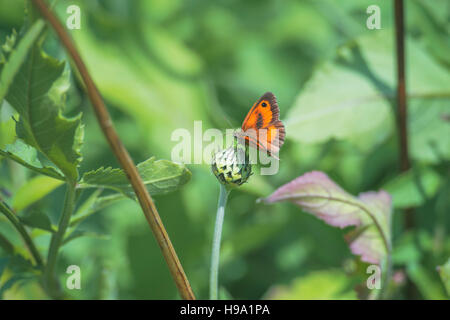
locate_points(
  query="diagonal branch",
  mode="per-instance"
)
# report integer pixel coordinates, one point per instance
(146, 202)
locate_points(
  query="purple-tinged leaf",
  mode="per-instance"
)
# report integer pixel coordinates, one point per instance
(370, 212)
(319, 195)
(370, 244)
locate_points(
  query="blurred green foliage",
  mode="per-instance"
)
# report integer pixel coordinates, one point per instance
(162, 64)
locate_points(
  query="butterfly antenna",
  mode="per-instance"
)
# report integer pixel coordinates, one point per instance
(228, 120)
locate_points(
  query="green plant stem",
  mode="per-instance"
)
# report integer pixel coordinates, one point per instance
(387, 277)
(23, 232)
(215, 255)
(50, 279)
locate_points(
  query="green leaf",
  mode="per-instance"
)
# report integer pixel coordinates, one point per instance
(430, 129)
(407, 250)
(413, 188)
(83, 233)
(444, 272)
(36, 95)
(16, 279)
(28, 157)
(18, 264)
(160, 177)
(3, 264)
(433, 29)
(7, 246)
(85, 229)
(428, 286)
(351, 97)
(351, 107)
(88, 204)
(7, 124)
(34, 190)
(15, 56)
(319, 285)
(93, 205)
(37, 219)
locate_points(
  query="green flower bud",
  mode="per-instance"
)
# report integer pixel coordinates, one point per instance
(231, 166)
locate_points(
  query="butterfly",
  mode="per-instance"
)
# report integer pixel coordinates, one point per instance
(262, 128)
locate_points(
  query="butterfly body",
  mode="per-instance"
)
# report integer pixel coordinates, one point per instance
(262, 128)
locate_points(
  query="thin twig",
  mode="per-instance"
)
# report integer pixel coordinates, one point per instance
(148, 207)
(402, 114)
(402, 111)
(401, 86)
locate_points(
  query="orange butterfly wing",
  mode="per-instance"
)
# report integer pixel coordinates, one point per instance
(262, 127)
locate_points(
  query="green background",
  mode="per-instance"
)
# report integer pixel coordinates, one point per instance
(162, 64)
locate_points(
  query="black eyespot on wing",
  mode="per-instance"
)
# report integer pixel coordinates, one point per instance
(259, 121)
(272, 101)
(264, 104)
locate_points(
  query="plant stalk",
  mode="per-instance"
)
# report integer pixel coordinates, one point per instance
(402, 112)
(23, 233)
(401, 86)
(123, 157)
(402, 107)
(50, 279)
(215, 256)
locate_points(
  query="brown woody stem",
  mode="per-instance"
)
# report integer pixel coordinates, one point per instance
(147, 205)
(401, 86)
(402, 110)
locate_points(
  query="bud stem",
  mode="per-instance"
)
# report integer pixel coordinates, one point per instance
(215, 256)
